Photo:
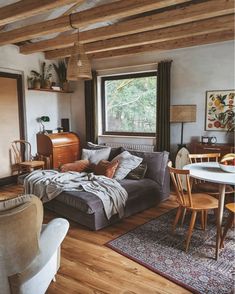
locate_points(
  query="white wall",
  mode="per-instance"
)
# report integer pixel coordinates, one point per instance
(54, 105)
(194, 71)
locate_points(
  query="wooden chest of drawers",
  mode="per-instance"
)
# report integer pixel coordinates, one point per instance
(58, 148)
(200, 148)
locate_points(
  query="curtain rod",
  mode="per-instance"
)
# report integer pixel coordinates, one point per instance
(127, 66)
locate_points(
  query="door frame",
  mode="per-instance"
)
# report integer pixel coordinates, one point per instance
(21, 107)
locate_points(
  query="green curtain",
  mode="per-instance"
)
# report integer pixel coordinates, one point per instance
(163, 106)
(91, 109)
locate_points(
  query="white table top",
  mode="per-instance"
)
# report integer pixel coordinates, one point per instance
(211, 172)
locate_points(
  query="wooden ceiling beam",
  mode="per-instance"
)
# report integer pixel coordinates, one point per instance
(160, 20)
(156, 36)
(27, 8)
(194, 12)
(100, 13)
(168, 45)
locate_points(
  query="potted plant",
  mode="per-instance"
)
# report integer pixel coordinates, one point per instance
(35, 79)
(46, 75)
(42, 79)
(61, 70)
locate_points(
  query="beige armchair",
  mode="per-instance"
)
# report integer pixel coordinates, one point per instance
(29, 251)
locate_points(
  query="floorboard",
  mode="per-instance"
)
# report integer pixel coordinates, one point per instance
(89, 267)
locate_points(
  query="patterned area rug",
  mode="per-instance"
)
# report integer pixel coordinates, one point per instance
(154, 246)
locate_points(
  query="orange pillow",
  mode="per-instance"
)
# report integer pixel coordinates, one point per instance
(78, 166)
(106, 168)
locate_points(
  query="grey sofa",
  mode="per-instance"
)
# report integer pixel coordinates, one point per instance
(87, 209)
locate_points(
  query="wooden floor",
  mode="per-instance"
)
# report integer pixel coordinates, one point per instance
(87, 266)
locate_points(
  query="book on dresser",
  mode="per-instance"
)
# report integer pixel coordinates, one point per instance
(58, 149)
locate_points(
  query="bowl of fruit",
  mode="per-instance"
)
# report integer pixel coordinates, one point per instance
(227, 163)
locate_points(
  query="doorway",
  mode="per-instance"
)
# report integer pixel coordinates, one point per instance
(11, 120)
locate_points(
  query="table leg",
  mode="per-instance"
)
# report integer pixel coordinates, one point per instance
(220, 218)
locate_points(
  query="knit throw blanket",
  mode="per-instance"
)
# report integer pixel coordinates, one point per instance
(47, 184)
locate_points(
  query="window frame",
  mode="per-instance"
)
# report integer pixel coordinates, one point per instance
(103, 112)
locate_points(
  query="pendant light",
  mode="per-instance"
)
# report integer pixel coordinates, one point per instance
(79, 66)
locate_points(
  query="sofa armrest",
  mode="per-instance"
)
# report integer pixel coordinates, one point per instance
(51, 238)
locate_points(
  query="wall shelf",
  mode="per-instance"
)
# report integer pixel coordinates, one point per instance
(50, 90)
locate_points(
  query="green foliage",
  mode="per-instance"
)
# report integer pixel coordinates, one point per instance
(61, 70)
(45, 73)
(131, 105)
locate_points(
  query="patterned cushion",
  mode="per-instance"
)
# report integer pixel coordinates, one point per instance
(127, 162)
(78, 166)
(138, 173)
(106, 168)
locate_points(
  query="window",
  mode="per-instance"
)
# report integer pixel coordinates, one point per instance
(129, 104)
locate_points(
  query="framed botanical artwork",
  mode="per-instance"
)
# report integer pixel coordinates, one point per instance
(220, 110)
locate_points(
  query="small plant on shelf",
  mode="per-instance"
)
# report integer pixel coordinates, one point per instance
(61, 70)
(46, 75)
(35, 80)
(41, 79)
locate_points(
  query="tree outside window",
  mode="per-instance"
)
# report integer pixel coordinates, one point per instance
(129, 104)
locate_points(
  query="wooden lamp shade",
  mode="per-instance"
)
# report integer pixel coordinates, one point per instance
(79, 66)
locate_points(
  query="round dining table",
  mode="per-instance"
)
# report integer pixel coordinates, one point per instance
(211, 172)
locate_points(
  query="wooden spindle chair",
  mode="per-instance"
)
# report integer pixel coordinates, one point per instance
(203, 186)
(22, 159)
(193, 202)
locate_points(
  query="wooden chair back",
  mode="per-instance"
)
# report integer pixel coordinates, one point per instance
(20, 151)
(207, 157)
(198, 158)
(184, 197)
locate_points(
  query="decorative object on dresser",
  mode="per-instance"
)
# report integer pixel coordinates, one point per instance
(200, 148)
(58, 148)
(220, 110)
(41, 120)
(182, 114)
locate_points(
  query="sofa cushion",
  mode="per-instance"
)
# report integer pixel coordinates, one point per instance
(78, 166)
(90, 203)
(93, 146)
(138, 173)
(127, 162)
(96, 155)
(115, 152)
(81, 200)
(156, 164)
(106, 168)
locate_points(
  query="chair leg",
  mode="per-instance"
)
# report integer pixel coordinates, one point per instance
(177, 217)
(228, 225)
(205, 218)
(191, 226)
(183, 216)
